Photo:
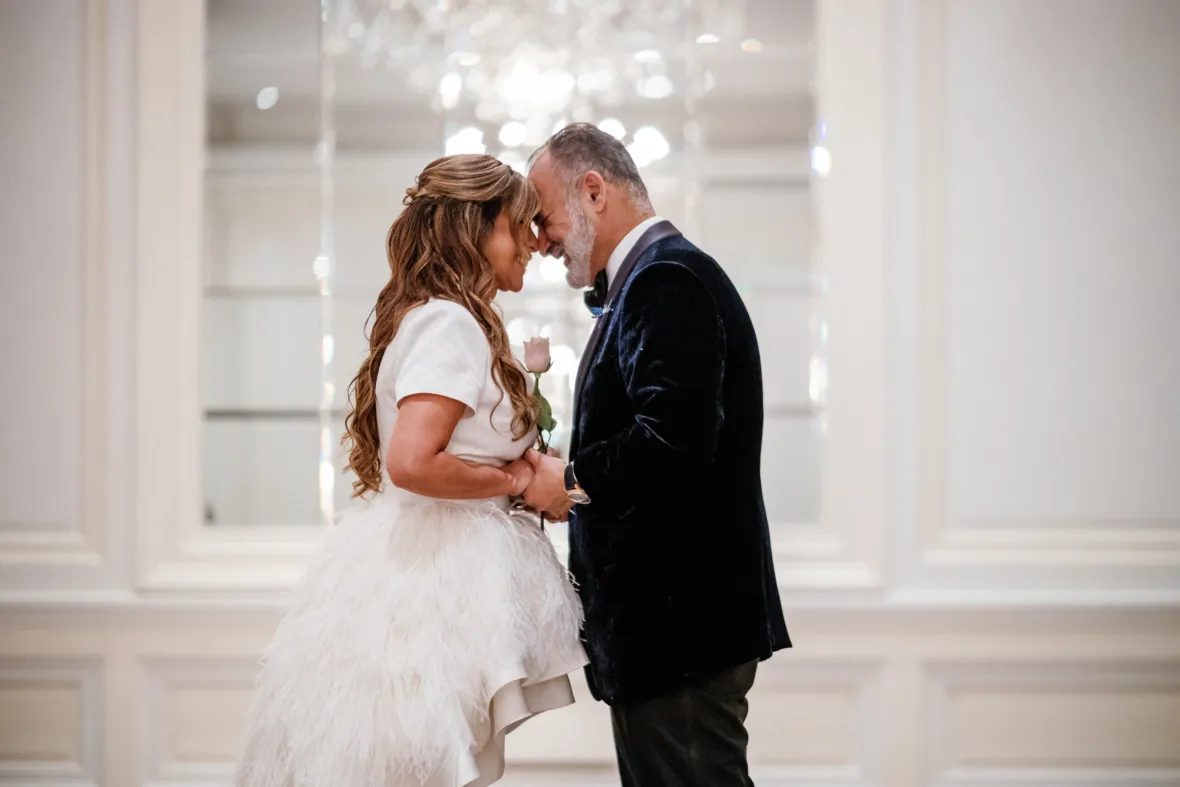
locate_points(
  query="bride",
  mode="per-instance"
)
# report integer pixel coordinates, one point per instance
(437, 619)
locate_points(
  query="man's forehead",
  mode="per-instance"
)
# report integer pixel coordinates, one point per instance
(541, 165)
(542, 174)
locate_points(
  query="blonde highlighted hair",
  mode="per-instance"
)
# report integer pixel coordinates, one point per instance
(434, 248)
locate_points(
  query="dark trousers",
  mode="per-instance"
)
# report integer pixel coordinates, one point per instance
(693, 737)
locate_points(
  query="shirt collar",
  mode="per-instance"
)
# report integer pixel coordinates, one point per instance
(624, 248)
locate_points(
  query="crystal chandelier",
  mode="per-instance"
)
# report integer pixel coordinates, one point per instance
(524, 66)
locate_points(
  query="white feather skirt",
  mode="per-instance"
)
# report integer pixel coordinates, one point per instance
(420, 637)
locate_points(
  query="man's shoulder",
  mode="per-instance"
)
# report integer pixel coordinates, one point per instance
(677, 260)
(677, 246)
(678, 256)
(676, 252)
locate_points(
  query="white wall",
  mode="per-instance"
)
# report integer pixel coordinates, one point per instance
(1062, 198)
(46, 248)
(992, 596)
(1037, 271)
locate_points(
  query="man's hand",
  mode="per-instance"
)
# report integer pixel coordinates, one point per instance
(547, 490)
(562, 514)
(521, 473)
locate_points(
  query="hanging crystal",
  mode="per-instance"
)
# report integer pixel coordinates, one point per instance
(537, 62)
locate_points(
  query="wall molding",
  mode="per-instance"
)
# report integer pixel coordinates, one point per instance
(177, 554)
(1005, 542)
(575, 776)
(161, 678)
(71, 550)
(875, 673)
(169, 49)
(860, 678)
(844, 550)
(199, 608)
(175, 551)
(1063, 777)
(945, 679)
(85, 676)
(578, 776)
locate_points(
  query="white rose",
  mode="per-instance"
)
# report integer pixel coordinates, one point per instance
(536, 355)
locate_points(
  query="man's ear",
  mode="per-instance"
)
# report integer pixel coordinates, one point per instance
(594, 189)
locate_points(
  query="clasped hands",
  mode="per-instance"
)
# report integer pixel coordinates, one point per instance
(540, 480)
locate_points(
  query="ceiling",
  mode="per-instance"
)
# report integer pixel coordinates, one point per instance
(761, 98)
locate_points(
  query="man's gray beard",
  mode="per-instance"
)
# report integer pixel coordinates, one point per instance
(579, 244)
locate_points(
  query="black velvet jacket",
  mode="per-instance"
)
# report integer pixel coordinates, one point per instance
(672, 554)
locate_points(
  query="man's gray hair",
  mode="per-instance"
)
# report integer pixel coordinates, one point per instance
(581, 147)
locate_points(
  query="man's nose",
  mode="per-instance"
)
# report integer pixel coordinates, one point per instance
(543, 243)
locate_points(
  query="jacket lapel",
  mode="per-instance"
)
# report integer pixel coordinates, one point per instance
(654, 234)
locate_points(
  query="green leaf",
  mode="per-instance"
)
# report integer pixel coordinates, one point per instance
(545, 420)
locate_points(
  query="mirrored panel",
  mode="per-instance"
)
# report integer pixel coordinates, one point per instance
(320, 116)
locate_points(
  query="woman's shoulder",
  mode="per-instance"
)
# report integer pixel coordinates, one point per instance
(439, 314)
(443, 323)
(441, 310)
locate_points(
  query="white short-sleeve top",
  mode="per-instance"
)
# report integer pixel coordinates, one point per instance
(439, 348)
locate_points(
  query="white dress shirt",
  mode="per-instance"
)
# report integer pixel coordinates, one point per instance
(624, 248)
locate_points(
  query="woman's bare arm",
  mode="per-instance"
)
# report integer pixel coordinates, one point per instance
(418, 461)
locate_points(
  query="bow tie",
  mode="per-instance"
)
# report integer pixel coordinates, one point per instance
(596, 298)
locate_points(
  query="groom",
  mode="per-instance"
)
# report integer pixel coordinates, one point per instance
(668, 535)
